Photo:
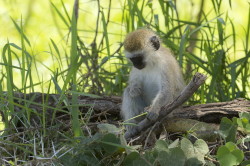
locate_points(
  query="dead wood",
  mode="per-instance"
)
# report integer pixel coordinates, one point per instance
(107, 109)
(213, 112)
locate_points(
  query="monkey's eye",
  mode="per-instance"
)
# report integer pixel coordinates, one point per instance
(155, 42)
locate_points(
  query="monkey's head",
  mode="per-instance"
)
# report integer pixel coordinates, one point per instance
(141, 46)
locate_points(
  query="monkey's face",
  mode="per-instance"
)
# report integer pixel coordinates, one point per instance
(138, 61)
(139, 46)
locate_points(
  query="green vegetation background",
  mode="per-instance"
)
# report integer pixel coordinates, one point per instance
(47, 47)
(46, 24)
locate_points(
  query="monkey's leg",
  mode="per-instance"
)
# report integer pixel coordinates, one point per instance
(131, 107)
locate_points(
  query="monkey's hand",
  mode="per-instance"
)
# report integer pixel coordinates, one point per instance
(152, 114)
(134, 90)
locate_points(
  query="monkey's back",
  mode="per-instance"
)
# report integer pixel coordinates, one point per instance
(172, 71)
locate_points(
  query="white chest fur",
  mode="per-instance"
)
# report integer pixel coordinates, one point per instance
(150, 80)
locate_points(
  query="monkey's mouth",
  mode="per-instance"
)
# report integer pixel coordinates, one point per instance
(138, 62)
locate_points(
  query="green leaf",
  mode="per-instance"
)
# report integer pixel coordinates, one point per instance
(193, 161)
(201, 147)
(220, 30)
(247, 128)
(132, 156)
(229, 155)
(71, 76)
(110, 143)
(245, 163)
(243, 123)
(161, 145)
(197, 151)
(187, 147)
(20, 30)
(245, 115)
(108, 128)
(174, 156)
(105, 33)
(228, 129)
(174, 144)
(209, 163)
(66, 22)
(151, 156)
(134, 159)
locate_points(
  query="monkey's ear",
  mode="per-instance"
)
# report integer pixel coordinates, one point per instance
(155, 42)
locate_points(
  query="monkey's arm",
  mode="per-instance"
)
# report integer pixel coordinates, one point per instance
(135, 86)
(163, 97)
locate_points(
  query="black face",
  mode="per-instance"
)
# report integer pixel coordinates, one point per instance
(138, 61)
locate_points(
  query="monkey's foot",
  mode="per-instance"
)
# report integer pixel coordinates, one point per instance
(152, 116)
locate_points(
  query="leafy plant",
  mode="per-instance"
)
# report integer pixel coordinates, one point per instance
(96, 150)
(229, 155)
(228, 129)
(244, 122)
(178, 153)
(194, 152)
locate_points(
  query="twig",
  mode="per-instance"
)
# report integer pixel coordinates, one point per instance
(149, 134)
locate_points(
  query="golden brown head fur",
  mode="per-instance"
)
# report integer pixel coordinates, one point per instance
(138, 40)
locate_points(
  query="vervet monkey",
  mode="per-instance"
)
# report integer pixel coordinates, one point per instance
(155, 79)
